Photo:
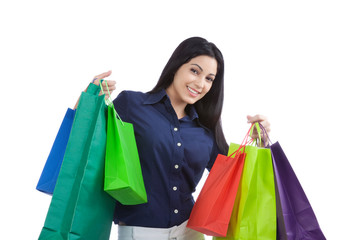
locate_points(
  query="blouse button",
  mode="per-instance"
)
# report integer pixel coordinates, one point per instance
(176, 211)
(175, 129)
(179, 144)
(176, 166)
(174, 188)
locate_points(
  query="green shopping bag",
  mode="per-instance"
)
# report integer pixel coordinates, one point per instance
(123, 176)
(254, 213)
(80, 208)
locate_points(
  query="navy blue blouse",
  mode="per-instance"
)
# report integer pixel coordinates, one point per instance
(173, 155)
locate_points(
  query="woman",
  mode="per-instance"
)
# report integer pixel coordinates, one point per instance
(178, 133)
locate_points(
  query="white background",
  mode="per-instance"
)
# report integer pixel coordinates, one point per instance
(297, 62)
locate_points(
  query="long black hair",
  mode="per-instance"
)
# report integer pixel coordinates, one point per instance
(210, 106)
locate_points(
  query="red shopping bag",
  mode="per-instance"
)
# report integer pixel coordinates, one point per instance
(212, 210)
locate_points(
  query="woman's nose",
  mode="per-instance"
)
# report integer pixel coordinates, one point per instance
(200, 83)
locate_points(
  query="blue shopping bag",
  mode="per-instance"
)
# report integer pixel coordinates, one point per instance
(53, 163)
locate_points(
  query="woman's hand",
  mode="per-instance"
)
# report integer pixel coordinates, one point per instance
(110, 83)
(265, 123)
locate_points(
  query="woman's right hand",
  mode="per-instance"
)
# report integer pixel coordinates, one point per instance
(110, 83)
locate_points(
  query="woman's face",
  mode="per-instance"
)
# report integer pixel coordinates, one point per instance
(193, 80)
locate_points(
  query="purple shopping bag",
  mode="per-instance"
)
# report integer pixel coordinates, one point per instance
(298, 216)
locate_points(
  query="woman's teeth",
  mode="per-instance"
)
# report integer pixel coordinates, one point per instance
(192, 90)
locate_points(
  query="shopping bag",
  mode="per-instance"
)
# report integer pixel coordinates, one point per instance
(123, 176)
(53, 163)
(299, 218)
(212, 210)
(280, 222)
(254, 212)
(80, 208)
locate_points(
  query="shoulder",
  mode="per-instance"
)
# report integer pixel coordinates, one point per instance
(128, 100)
(132, 94)
(128, 96)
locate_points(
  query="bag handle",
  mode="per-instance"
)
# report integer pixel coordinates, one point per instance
(246, 141)
(250, 141)
(258, 129)
(261, 129)
(109, 101)
(265, 132)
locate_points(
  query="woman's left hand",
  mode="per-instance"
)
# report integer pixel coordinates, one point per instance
(265, 123)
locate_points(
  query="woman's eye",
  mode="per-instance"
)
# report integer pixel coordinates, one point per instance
(194, 71)
(210, 79)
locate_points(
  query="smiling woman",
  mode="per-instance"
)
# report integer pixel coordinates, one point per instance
(178, 133)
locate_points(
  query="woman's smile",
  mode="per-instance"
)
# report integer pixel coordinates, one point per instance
(193, 92)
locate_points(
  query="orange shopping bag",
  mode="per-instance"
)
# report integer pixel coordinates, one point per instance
(212, 210)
